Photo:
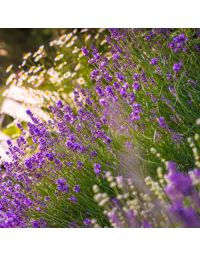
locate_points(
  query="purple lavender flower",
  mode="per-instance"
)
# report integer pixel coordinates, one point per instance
(103, 64)
(39, 223)
(73, 199)
(96, 55)
(62, 185)
(85, 51)
(28, 112)
(131, 98)
(186, 215)
(109, 91)
(136, 76)
(28, 163)
(93, 154)
(97, 168)
(180, 184)
(87, 222)
(177, 67)
(137, 106)
(162, 123)
(107, 76)
(116, 85)
(146, 224)
(103, 102)
(99, 90)
(120, 77)
(88, 101)
(177, 137)
(153, 61)
(50, 156)
(136, 85)
(123, 92)
(169, 76)
(171, 166)
(179, 43)
(79, 165)
(196, 173)
(113, 217)
(115, 56)
(36, 224)
(76, 188)
(9, 142)
(107, 139)
(59, 104)
(94, 73)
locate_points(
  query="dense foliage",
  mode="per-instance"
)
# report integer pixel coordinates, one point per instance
(121, 145)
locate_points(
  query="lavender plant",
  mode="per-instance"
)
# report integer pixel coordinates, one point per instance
(54, 166)
(138, 109)
(152, 76)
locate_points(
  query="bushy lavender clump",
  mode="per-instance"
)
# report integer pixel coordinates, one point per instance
(142, 93)
(145, 89)
(178, 43)
(52, 164)
(14, 203)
